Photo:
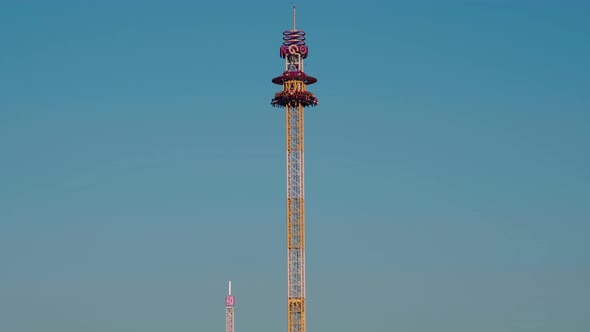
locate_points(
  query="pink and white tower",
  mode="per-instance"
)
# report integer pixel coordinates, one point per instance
(230, 300)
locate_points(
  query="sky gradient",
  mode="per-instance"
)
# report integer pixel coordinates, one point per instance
(447, 165)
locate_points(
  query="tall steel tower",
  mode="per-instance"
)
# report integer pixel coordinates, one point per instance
(230, 300)
(294, 98)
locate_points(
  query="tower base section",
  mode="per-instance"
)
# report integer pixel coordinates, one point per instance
(296, 315)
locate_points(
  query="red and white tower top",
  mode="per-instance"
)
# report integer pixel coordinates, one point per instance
(294, 51)
(230, 300)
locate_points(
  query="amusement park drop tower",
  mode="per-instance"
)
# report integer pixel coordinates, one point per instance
(294, 98)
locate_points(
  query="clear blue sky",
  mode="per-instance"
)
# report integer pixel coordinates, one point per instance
(447, 165)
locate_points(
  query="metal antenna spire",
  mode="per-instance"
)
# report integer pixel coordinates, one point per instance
(294, 18)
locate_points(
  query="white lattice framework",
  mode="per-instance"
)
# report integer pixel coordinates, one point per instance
(229, 319)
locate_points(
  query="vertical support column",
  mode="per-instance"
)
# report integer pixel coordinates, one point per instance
(229, 319)
(230, 301)
(295, 217)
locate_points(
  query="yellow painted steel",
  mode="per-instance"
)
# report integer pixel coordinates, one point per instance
(296, 319)
(295, 211)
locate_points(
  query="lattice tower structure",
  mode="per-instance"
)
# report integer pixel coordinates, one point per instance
(294, 97)
(230, 301)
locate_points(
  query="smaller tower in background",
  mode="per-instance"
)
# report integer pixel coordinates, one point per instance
(230, 300)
